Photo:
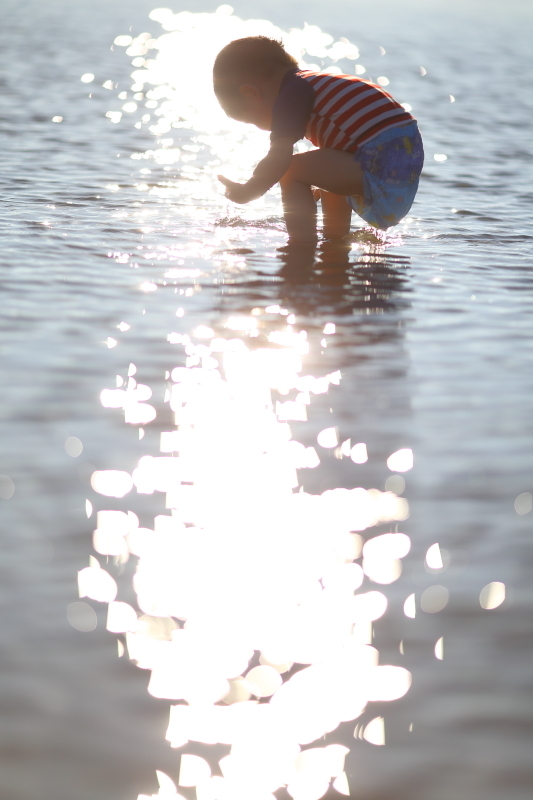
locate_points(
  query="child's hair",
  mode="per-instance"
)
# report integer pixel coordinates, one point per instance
(244, 60)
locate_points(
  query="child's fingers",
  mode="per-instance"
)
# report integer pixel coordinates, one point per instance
(224, 180)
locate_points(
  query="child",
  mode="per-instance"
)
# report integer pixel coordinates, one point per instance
(369, 155)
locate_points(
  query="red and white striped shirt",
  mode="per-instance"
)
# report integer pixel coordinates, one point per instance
(343, 111)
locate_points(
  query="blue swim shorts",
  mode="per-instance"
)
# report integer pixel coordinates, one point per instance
(391, 163)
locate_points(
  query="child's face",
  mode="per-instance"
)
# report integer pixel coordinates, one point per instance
(255, 106)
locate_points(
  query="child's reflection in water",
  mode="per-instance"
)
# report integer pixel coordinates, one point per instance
(333, 276)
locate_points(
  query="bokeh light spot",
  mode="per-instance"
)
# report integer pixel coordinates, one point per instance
(7, 487)
(492, 595)
(73, 447)
(434, 599)
(81, 616)
(523, 503)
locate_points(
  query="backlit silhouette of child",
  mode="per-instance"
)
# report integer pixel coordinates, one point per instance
(369, 151)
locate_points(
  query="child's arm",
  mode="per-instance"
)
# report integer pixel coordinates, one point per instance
(268, 172)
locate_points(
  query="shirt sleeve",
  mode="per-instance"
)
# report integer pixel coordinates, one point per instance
(292, 108)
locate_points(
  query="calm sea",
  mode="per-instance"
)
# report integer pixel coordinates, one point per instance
(121, 260)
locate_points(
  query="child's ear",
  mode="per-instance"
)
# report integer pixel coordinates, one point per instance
(250, 92)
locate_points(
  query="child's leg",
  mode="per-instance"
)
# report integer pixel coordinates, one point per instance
(336, 172)
(299, 209)
(336, 214)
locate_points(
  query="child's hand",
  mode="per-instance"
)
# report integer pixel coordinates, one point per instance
(238, 192)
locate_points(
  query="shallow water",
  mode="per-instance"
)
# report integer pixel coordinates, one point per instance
(432, 339)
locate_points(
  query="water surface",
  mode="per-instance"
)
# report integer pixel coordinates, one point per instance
(432, 339)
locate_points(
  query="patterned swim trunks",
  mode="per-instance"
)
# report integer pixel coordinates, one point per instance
(391, 163)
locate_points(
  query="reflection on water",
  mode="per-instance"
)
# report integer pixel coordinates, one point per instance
(203, 139)
(247, 589)
(126, 275)
(344, 279)
(175, 103)
(254, 598)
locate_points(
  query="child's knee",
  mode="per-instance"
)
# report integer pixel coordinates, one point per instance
(293, 177)
(287, 182)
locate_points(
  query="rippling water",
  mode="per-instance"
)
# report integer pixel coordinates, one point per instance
(122, 261)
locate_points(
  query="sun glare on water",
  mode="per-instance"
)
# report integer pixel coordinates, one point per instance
(253, 613)
(172, 85)
(245, 564)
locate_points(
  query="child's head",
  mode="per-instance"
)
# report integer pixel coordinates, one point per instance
(246, 77)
